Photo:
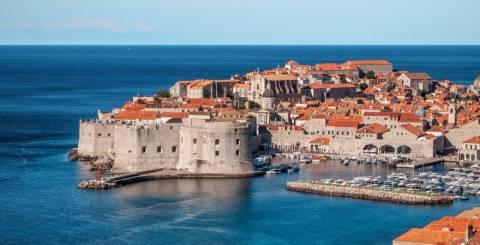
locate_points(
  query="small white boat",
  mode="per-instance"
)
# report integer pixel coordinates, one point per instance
(274, 171)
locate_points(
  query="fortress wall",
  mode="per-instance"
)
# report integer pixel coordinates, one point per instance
(146, 147)
(198, 147)
(454, 137)
(95, 138)
(420, 149)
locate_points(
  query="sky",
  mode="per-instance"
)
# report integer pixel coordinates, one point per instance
(240, 22)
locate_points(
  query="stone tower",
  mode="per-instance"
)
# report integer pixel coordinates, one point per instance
(452, 114)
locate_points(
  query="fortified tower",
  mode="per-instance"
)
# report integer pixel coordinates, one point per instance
(452, 114)
(215, 147)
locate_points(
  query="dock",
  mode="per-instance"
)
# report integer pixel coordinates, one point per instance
(402, 197)
(420, 163)
(159, 173)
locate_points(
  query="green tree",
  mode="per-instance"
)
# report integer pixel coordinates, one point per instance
(370, 75)
(363, 86)
(343, 79)
(162, 93)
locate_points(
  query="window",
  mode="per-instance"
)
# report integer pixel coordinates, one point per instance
(194, 141)
(237, 142)
(174, 149)
(144, 149)
(108, 134)
(159, 149)
(237, 152)
(217, 141)
(99, 135)
(217, 153)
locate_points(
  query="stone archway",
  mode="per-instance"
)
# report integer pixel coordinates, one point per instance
(403, 149)
(387, 149)
(370, 149)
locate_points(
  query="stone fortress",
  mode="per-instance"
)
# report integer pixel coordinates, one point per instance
(195, 146)
(217, 127)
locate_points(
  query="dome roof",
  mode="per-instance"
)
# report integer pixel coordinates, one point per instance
(268, 93)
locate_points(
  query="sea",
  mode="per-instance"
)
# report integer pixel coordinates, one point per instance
(46, 90)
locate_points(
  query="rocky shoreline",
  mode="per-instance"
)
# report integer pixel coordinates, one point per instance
(104, 163)
(315, 187)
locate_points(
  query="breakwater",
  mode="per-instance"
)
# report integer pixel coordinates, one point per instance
(412, 198)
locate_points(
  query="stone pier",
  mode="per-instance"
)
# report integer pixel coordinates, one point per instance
(370, 194)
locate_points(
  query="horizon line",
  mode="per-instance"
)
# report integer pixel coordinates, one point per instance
(229, 44)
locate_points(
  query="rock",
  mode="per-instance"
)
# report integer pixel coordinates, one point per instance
(73, 154)
(103, 163)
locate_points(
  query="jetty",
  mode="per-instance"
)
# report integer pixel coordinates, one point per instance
(420, 163)
(411, 198)
(153, 174)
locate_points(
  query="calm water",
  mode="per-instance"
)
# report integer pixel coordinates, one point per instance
(44, 91)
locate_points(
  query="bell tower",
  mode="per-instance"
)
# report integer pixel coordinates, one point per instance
(452, 114)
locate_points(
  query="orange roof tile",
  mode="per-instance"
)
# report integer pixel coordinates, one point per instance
(280, 77)
(137, 115)
(342, 123)
(321, 141)
(425, 236)
(373, 128)
(473, 140)
(412, 129)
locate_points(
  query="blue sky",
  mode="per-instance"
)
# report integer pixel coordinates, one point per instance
(239, 22)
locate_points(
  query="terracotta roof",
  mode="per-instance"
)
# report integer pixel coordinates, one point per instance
(242, 86)
(425, 236)
(373, 128)
(412, 129)
(336, 67)
(342, 123)
(137, 115)
(458, 224)
(321, 141)
(409, 117)
(330, 86)
(418, 76)
(473, 140)
(280, 77)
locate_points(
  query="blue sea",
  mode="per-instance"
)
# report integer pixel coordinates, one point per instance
(45, 90)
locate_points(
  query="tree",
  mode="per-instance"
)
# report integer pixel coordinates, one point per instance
(343, 79)
(162, 93)
(370, 75)
(363, 86)
(253, 104)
